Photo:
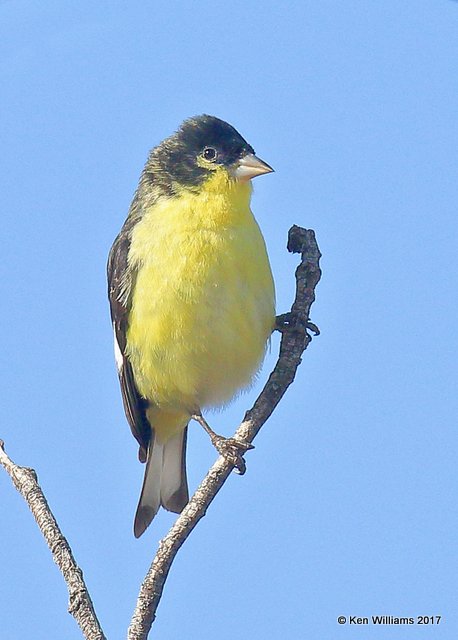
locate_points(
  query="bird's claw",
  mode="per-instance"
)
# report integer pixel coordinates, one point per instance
(290, 321)
(233, 450)
(311, 326)
(230, 448)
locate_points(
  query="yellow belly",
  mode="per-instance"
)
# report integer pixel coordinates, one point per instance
(203, 303)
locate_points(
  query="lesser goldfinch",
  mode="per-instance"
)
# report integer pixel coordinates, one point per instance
(191, 294)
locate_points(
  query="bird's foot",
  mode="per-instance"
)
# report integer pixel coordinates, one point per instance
(230, 448)
(233, 450)
(288, 321)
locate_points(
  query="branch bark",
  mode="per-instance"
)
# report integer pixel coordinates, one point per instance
(80, 603)
(295, 339)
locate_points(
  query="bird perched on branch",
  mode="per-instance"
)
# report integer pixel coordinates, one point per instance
(192, 299)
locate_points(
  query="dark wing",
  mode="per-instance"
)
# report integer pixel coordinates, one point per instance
(121, 280)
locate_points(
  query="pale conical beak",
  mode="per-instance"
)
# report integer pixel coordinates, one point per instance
(251, 166)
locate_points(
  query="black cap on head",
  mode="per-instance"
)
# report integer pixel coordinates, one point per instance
(188, 156)
(205, 131)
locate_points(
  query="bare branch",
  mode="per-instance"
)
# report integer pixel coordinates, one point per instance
(80, 604)
(295, 340)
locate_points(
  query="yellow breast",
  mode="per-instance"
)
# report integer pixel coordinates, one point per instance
(203, 303)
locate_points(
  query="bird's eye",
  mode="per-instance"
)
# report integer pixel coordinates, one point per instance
(209, 153)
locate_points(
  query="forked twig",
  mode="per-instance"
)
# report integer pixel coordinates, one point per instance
(294, 327)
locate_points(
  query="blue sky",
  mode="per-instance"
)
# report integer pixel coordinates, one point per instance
(349, 503)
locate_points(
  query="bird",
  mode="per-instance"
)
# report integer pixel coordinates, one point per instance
(192, 300)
